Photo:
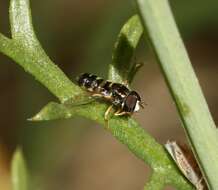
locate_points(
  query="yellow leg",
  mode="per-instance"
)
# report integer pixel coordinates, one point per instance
(117, 112)
(97, 95)
(106, 114)
(121, 113)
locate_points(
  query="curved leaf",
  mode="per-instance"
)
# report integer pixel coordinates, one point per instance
(121, 69)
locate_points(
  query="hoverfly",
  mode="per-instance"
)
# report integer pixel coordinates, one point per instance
(125, 100)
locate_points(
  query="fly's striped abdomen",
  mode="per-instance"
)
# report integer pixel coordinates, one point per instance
(105, 89)
(89, 81)
(111, 91)
(116, 93)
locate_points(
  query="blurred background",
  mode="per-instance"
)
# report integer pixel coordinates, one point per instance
(79, 36)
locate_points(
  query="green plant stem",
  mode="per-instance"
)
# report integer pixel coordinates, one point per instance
(127, 131)
(155, 182)
(183, 84)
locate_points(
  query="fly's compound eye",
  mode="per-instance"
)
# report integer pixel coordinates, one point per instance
(132, 102)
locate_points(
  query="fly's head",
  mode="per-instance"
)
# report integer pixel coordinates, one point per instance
(132, 103)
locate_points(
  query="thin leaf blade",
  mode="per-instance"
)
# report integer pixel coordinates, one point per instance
(52, 111)
(19, 171)
(125, 46)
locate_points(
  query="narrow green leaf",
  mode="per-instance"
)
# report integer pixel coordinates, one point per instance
(183, 84)
(55, 110)
(19, 171)
(125, 46)
(52, 111)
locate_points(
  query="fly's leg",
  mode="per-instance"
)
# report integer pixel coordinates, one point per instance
(120, 113)
(106, 114)
(117, 112)
(97, 95)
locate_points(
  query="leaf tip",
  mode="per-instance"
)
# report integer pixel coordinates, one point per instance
(37, 117)
(19, 170)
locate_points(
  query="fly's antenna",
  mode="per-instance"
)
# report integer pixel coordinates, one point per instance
(143, 104)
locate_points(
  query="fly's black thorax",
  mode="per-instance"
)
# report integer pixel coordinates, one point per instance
(119, 93)
(116, 93)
